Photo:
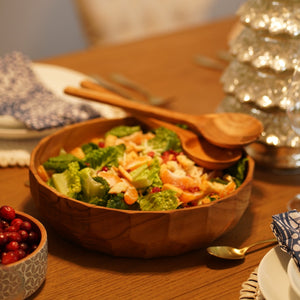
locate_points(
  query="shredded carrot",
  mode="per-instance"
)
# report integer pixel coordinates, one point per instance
(43, 173)
(78, 152)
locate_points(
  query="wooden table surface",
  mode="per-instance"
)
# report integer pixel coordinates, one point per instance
(165, 65)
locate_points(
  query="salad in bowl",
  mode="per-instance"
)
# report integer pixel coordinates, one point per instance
(132, 169)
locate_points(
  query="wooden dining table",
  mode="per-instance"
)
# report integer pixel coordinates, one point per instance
(165, 65)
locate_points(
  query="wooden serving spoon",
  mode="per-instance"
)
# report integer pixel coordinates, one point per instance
(226, 130)
(197, 148)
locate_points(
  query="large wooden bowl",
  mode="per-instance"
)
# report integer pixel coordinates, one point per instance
(129, 233)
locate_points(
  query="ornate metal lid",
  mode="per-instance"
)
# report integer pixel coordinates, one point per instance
(278, 53)
(277, 130)
(265, 89)
(276, 17)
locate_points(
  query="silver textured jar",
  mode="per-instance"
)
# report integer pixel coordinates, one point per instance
(257, 79)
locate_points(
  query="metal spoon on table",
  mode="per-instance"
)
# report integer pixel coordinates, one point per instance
(208, 62)
(151, 99)
(228, 252)
(101, 82)
(226, 130)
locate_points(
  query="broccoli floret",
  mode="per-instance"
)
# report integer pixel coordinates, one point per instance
(145, 176)
(94, 188)
(60, 163)
(86, 148)
(164, 200)
(117, 201)
(238, 171)
(68, 182)
(123, 130)
(219, 180)
(98, 201)
(50, 182)
(164, 140)
(101, 157)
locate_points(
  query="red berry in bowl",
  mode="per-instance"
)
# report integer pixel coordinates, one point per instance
(24, 234)
(3, 224)
(26, 226)
(3, 239)
(16, 222)
(9, 257)
(33, 247)
(11, 228)
(18, 237)
(7, 212)
(20, 253)
(33, 237)
(12, 246)
(24, 246)
(14, 236)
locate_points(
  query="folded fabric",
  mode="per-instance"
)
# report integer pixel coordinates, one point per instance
(23, 96)
(16, 152)
(286, 228)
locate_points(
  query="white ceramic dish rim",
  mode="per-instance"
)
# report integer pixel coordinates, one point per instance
(273, 280)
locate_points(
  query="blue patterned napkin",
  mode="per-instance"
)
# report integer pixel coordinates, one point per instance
(286, 228)
(25, 98)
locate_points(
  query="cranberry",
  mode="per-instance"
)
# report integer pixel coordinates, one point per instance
(24, 246)
(7, 234)
(33, 237)
(169, 155)
(7, 212)
(11, 228)
(14, 236)
(16, 222)
(3, 239)
(12, 246)
(151, 153)
(3, 224)
(155, 189)
(101, 144)
(194, 189)
(20, 253)
(26, 226)
(33, 247)
(104, 169)
(9, 257)
(23, 234)
(18, 237)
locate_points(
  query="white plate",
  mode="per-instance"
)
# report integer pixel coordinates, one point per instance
(272, 276)
(294, 276)
(56, 79)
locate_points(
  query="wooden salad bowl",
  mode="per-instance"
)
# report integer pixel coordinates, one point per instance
(126, 233)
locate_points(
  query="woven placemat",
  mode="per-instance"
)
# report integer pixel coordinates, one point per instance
(16, 153)
(250, 289)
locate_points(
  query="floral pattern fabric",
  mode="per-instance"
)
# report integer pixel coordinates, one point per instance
(286, 228)
(23, 96)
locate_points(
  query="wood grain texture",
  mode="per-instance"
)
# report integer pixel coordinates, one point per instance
(164, 65)
(227, 130)
(129, 233)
